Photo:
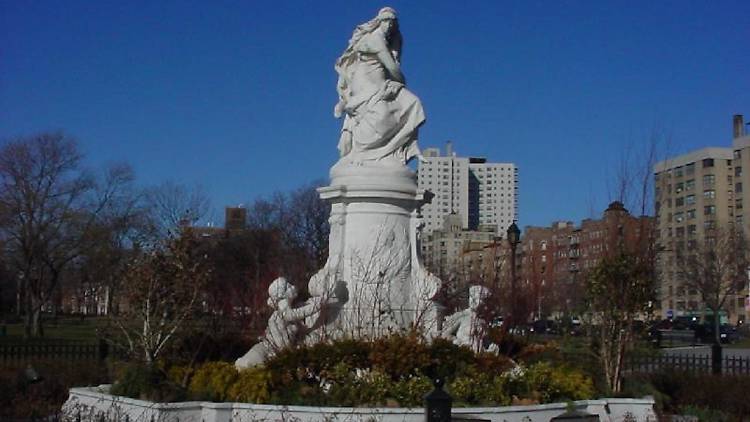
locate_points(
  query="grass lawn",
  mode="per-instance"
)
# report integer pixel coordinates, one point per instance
(64, 329)
(744, 343)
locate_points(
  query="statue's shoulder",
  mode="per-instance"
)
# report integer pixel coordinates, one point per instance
(372, 43)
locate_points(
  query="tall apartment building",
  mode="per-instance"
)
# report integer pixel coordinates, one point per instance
(484, 195)
(695, 194)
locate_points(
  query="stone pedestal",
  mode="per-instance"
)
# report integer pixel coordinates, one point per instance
(373, 269)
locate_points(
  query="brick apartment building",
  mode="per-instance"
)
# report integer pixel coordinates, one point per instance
(551, 262)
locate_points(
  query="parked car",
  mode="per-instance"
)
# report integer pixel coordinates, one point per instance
(671, 332)
(727, 333)
(544, 326)
(571, 326)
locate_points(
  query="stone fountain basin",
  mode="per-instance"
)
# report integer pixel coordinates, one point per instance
(93, 402)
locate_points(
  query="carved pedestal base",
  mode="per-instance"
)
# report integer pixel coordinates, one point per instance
(373, 268)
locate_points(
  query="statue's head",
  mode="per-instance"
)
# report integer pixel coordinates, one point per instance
(279, 290)
(387, 13)
(387, 19)
(477, 295)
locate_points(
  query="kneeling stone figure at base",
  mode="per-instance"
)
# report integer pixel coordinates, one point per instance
(285, 325)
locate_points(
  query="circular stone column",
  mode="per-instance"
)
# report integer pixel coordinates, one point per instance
(373, 205)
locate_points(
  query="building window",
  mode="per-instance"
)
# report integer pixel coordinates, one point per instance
(737, 154)
(709, 210)
(738, 171)
(709, 194)
(691, 230)
(690, 169)
(708, 162)
(709, 224)
(709, 179)
(690, 214)
(738, 187)
(678, 217)
(690, 200)
(678, 172)
(679, 232)
(679, 202)
(690, 184)
(678, 187)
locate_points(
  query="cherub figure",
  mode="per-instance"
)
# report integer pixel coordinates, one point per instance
(465, 327)
(285, 324)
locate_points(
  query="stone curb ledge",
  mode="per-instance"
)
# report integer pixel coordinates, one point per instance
(93, 402)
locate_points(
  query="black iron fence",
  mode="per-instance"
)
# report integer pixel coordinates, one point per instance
(57, 351)
(730, 365)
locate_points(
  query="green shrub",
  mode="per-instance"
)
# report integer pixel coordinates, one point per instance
(410, 390)
(212, 381)
(146, 382)
(702, 393)
(559, 383)
(180, 375)
(479, 388)
(400, 356)
(393, 371)
(490, 363)
(448, 360)
(306, 363)
(251, 386)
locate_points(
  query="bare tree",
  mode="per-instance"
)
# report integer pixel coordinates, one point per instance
(162, 290)
(629, 266)
(51, 206)
(174, 206)
(631, 277)
(308, 227)
(632, 180)
(715, 267)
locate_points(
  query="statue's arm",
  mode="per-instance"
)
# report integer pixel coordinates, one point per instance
(304, 311)
(378, 45)
(451, 324)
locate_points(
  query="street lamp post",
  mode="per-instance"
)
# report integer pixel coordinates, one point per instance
(514, 236)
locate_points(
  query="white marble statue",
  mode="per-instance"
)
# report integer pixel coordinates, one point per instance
(426, 286)
(285, 326)
(381, 117)
(373, 283)
(465, 327)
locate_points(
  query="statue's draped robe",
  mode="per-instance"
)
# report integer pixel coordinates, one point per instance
(382, 116)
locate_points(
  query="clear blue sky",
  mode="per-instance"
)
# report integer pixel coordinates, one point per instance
(238, 96)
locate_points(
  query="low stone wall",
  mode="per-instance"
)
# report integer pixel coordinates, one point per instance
(90, 403)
